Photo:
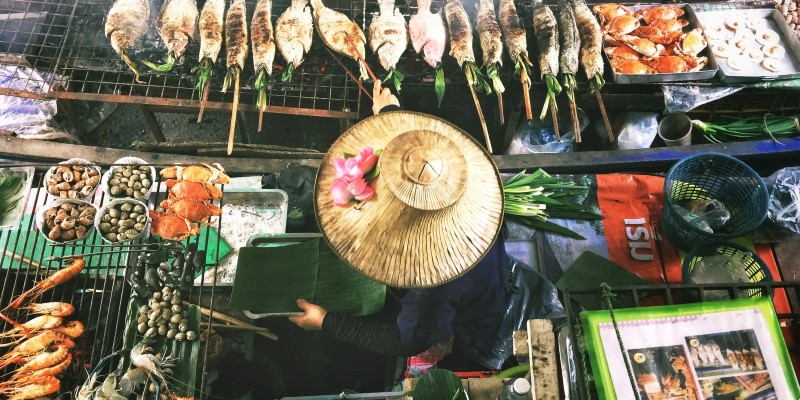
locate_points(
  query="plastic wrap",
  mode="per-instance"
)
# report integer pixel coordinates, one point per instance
(783, 214)
(25, 117)
(680, 98)
(638, 130)
(533, 297)
(538, 136)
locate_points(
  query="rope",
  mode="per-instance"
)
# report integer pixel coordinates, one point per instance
(607, 295)
(766, 127)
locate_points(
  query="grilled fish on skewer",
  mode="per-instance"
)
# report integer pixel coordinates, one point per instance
(212, 17)
(568, 59)
(235, 40)
(340, 33)
(388, 38)
(177, 24)
(492, 47)
(294, 31)
(591, 39)
(428, 35)
(546, 30)
(125, 25)
(517, 48)
(263, 39)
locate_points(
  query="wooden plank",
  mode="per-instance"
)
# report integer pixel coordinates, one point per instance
(38, 150)
(521, 348)
(543, 360)
(484, 388)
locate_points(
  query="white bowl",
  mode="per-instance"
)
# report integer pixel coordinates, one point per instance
(128, 161)
(99, 219)
(40, 223)
(74, 161)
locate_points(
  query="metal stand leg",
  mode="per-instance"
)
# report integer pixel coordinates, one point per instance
(69, 112)
(152, 124)
(242, 127)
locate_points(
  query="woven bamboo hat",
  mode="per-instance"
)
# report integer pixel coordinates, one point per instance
(437, 208)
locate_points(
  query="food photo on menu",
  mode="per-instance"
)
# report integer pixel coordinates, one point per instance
(663, 373)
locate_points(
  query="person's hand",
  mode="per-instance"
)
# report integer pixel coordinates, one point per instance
(382, 97)
(311, 319)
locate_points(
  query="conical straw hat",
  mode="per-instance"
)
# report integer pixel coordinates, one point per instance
(437, 208)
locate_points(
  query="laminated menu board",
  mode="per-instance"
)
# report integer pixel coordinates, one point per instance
(729, 349)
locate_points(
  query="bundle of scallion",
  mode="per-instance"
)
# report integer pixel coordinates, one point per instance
(732, 129)
(531, 200)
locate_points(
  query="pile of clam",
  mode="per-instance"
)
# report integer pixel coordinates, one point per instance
(164, 315)
(122, 220)
(72, 181)
(68, 221)
(130, 181)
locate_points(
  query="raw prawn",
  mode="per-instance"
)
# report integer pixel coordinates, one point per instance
(57, 354)
(55, 370)
(35, 387)
(33, 346)
(54, 308)
(203, 173)
(28, 329)
(72, 329)
(61, 276)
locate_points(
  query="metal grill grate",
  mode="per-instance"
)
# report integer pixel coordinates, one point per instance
(668, 295)
(99, 293)
(67, 36)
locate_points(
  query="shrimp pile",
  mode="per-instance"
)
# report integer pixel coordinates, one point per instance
(41, 346)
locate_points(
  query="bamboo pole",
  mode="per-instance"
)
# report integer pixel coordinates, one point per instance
(500, 106)
(554, 114)
(526, 95)
(576, 125)
(605, 115)
(233, 112)
(203, 101)
(482, 119)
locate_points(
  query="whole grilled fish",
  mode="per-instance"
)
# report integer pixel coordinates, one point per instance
(546, 30)
(340, 33)
(212, 18)
(427, 33)
(570, 39)
(460, 32)
(294, 31)
(513, 31)
(591, 40)
(236, 34)
(262, 37)
(489, 34)
(125, 25)
(177, 24)
(388, 37)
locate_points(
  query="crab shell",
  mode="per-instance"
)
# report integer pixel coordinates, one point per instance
(622, 25)
(691, 43)
(624, 52)
(668, 26)
(645, 47)
(622, 66)
(608, 11)
(192, 210)
(651, 15)
(171, 227)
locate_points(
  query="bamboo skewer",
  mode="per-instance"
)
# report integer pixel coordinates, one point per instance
(361, 59)
(260, 118)
(350, 74)
(500, 106)
(482, 119)
(233, 112)
(554, 114)
(203, 102)
(22, 259)
(255, 329)
(605, 116)
(526, 95)
(237, 322)
(576, 125)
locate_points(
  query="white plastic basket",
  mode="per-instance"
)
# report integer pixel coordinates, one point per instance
(40, 219)
(113, 203)
(80, 195)
(128, 161)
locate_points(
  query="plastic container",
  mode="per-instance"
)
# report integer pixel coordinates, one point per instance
(754, 269)
(516, 389)
(12, 219)
(99, 219)
(713, 176)
(86, 194)
(40, 219)
(128, 161)
(538, 136)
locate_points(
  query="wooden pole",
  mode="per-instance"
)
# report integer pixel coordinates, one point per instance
(233, 112)
(554, 114)
(523, 78)
(500, 106)
(576, 125)
(483, 120)
(203, 101)
(605, 116)
(543, 361)
(260, 116)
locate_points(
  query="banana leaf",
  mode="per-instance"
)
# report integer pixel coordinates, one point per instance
(439, 384)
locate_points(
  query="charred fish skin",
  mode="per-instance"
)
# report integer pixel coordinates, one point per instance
(388, 35)
(570, 40)
(126, 24)
(294, 32)
(513, 30)
(489, 34)
(212, 18)
(591, 40)
(262, 36)
(336, 30)
(460, 30)
(236, 34)
(177, 24)
(546, 30)
(428, 33)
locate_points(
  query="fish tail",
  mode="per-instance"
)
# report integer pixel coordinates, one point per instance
(131, 65)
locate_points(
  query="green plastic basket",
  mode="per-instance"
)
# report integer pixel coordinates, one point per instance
(755, 268)
(710, 176)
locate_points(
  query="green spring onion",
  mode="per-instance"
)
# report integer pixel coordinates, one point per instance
(439, 84)
(163, 67)
(732, 129)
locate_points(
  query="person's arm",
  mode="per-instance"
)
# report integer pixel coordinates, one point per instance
(380, 337)
(383, 100)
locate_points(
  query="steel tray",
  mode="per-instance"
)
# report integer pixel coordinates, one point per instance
(791, 61)
(706, 73)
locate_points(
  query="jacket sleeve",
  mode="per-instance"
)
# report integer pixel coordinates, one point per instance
(380, 337)
(390, 107)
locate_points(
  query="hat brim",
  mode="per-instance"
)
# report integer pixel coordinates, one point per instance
(400, 246)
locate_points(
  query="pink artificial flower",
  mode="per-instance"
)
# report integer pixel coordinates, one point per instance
(360, 190)
(341, 195)
(367, 159)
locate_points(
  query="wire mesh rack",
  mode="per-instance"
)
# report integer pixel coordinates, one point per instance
(101, 292)
(583, 387)
(67, 37)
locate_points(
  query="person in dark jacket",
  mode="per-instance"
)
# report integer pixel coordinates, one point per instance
(459, 318)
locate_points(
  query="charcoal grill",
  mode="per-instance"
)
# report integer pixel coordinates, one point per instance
(99, 293)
